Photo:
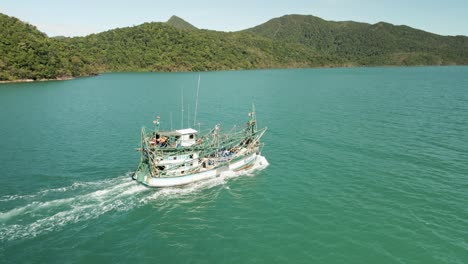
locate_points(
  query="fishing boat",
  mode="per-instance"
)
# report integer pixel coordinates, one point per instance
(184, 156)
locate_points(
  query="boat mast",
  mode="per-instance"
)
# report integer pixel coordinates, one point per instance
(182, 118)
(196, 103)
(171, 120)
(253, 120)
(142, 138)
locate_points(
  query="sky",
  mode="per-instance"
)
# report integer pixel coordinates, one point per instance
(83, 17)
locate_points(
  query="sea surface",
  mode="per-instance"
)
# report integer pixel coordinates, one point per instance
(366, 165)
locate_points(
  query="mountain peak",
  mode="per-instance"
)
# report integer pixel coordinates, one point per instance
(179, 23)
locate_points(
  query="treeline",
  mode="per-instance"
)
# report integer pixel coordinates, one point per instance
(363, 44)
(289, 41)
(27, 53)
(161, 47)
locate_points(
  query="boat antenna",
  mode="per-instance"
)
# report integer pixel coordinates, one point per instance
(182, 117)
(188, 115)
(196, 102)
(171, 120)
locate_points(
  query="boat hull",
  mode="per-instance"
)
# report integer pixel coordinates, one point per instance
(158, 182)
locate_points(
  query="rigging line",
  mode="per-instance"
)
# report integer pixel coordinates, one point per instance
(196, 103)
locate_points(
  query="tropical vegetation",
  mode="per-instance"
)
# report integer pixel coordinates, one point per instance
(291, 41)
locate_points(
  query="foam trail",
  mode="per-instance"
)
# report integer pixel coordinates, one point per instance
(74, 186)
(84, 201)
(34, 206)
(47, 215)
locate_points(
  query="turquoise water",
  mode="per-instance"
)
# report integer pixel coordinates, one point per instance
(367, 165)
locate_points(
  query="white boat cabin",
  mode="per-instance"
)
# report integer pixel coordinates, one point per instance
(175, 139)
(187, 137)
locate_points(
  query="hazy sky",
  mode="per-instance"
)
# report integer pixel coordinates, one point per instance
(82, 17)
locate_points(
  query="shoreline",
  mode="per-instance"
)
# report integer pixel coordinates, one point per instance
(40, 80)
(224, 70)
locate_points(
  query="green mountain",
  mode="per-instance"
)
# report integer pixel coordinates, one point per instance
(147, 47)
(366, 44)
(27, 53)
(161, 47)
(289, 41)
(179, 23)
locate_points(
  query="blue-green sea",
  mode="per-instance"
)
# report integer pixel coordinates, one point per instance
(366, 165)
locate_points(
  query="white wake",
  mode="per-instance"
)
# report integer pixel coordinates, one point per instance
(43, 212)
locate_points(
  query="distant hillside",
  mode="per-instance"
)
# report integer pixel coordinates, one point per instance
(160, 47)
(290, 41)
(366, 44)
(147, 47)
(27, 53)
(179, 23)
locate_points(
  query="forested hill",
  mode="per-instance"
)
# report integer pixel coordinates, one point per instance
(179, 23)
(366, 44)
(176, 45)
(27, 53)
